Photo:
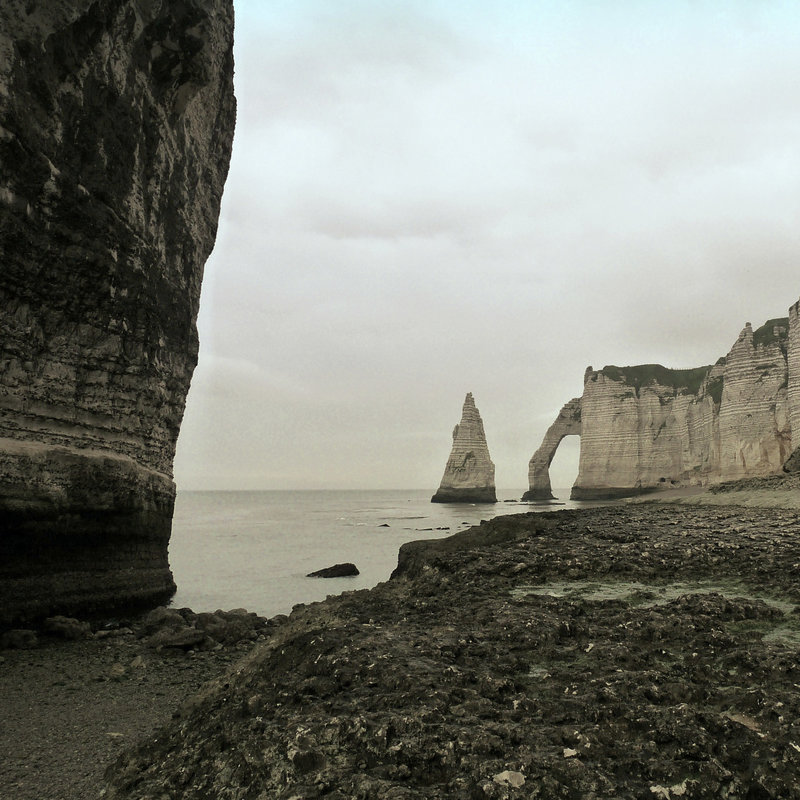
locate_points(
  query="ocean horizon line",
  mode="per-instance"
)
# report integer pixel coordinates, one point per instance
(517, 492)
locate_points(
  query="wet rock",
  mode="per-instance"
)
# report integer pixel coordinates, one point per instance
(509, 778)
(336, 571)
(184, 629)
(159, 619)
(184, 638)
(630, 653)
(230, 627)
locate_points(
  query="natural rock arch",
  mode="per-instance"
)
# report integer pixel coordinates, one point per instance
(567, 423)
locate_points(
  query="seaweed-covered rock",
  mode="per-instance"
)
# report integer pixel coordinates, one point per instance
(625, 652)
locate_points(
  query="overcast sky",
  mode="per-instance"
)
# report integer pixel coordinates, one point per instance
(436, 197)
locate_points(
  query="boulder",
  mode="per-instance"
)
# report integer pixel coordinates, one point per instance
(67, 628)
(336, 571)
(18, 639)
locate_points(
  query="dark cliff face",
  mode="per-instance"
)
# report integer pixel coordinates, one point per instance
(116, 125)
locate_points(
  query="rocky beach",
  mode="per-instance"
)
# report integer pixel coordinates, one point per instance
(628, 651)
(631, 650)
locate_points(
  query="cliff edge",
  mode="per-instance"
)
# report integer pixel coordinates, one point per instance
(116, 126)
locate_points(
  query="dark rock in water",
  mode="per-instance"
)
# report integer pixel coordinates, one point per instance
(117, 124)
(336, 571)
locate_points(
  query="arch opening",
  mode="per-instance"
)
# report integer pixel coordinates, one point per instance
(564, 466)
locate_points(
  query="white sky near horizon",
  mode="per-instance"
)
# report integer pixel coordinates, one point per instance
(431, 198)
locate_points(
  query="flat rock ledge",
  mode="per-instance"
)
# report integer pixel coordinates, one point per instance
(638, 651)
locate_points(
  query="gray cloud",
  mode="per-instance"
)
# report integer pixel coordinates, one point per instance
(429, 199)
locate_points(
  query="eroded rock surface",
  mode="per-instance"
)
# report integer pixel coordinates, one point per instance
(116, 124)
(623, 652)
(469, 472)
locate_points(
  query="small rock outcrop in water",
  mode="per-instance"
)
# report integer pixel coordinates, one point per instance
(116, 128)
(336, 571)
(469, 473)
(647, 427)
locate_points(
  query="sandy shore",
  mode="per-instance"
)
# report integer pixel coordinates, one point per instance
(776, 491)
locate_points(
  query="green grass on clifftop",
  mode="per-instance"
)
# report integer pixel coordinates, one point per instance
(773, 330)
(683, 381)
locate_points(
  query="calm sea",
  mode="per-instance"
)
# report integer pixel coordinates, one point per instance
(253, 549)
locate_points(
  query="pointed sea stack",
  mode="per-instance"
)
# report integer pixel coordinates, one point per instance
(469, 474)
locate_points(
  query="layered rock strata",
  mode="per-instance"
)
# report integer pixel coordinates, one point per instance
(793, 389)
(647, 427)
(469, 472)
(116, 125)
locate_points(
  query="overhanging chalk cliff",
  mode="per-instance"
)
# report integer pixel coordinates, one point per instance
(647, 427)
(116, 125)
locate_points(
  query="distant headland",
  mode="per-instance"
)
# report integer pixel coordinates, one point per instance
(646, 428)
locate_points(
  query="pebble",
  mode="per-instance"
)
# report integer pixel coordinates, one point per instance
(509, 778)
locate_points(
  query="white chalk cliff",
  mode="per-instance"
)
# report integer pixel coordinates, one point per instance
(647, 427)
(469, 473)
